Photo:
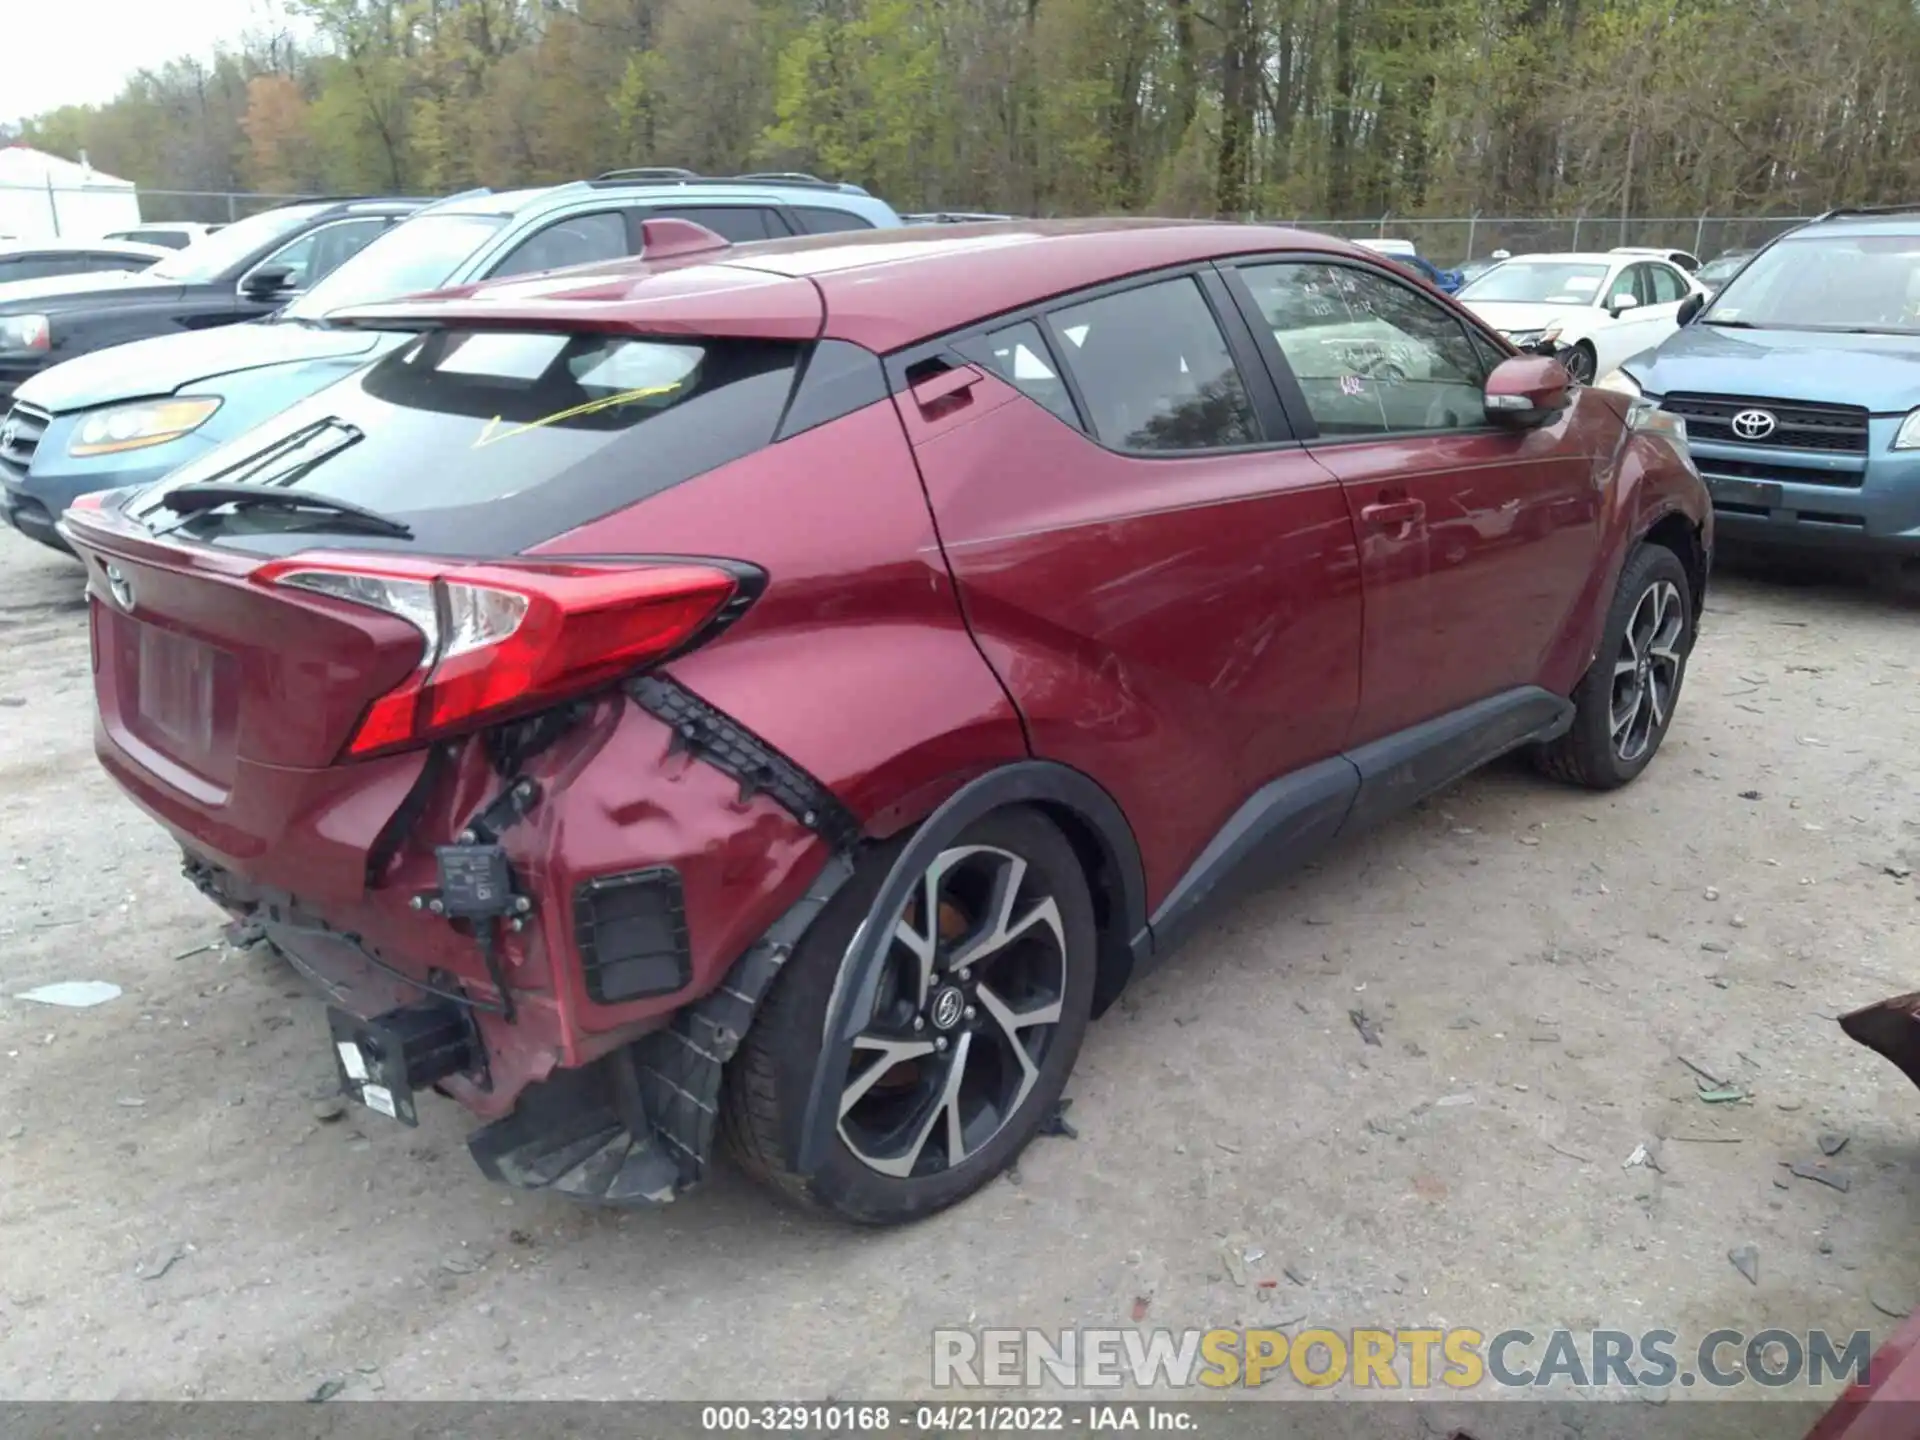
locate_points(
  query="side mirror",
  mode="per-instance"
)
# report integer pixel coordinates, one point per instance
(1690, 309)
(1620, 304)
(1528, 391)
(266, 282)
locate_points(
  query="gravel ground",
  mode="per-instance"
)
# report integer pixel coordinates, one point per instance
(1534, 963)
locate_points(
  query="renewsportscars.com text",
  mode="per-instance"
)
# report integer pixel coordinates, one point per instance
(1397, 1359)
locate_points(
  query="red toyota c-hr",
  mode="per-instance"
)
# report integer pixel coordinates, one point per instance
(788, 690)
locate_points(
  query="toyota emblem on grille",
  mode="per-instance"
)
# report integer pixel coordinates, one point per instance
(120, 587)
(1754, 424)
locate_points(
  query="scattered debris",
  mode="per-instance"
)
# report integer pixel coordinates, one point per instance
(200, 949)
(1889, 1299)
(465, 1264)
(131, 1102)
(1738, 922)
(1714, 947)
(1447, 1102)
(72, 994)
(329, 1110)
(1365, 1024)
(1570, 1154)
(1898, 872)
(1236, 1267)
(1746, 1259)
(17, 1132)
(1705, 1074)
(326, 1390)
(1788, 1105)
(1141, 1304)
(1058, 1124)
(1253, 1254)
(1835, 1178)
(159, 1262)
(1832, 1142)
(1642, 1155)
(1825, 1247)
(1711, 893)
(1723, 1095)
(1749, 794)
(1294, 1275)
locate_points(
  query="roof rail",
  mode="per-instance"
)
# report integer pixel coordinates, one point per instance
(1844, 210)
(674, 175)
(650, 172)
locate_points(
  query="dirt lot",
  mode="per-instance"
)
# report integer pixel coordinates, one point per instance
(1536, 961)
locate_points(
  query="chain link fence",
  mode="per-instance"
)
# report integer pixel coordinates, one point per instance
(34, 211)
(1475, 237)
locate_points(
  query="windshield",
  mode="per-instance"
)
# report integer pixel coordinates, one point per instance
(418, 255)
(1539, 282)
(1828, 282)
(210, 258)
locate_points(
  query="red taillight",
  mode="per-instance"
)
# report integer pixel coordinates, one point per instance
(88, 502)
(506, 639)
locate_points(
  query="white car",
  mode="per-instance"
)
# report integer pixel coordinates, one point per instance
(1603, 307)
(168, 235)
(1685, 259)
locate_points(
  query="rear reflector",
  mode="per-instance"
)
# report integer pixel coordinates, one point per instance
(505, 639)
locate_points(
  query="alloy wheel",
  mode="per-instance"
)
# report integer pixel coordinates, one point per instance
(1646, 672)
(969, 1000)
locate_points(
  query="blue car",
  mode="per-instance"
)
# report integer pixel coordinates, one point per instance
(1800, 385)
(129, 415)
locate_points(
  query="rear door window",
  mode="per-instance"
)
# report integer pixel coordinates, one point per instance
(1155, 370)
(576, 240)
(1668, 287)
(487, 442)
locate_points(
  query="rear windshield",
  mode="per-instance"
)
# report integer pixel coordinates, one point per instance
(487, 442)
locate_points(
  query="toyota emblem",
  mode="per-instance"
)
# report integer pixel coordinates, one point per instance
(948, 1007)
(120, 587)
(1754, 424)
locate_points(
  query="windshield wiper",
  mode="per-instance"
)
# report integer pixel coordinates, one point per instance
(1729, 324)
(211, 494)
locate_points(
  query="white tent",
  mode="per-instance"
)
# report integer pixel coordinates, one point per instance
(44, 197)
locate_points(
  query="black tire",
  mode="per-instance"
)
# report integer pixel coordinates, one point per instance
(1595, 753)
(768, 1080)
(1581, 362)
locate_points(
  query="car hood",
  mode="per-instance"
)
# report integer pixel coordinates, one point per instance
(1881, 372)
(54, 293)
(1523, 314)
(170, 363)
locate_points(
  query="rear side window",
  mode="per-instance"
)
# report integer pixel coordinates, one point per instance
(819, 220)
(738, 223)
(1155, 371)
(1668, 287)
(487, 442)
(1019, 356)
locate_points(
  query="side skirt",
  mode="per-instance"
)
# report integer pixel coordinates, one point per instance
(1288, 820)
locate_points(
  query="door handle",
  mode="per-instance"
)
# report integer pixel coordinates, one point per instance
(1393, 514)
(936, 391)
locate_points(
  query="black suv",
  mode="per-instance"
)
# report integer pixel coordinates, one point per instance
(249, 269)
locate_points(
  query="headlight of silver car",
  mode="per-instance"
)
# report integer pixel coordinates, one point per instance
(1907, 437)
(144, 423)
(1620, 382)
